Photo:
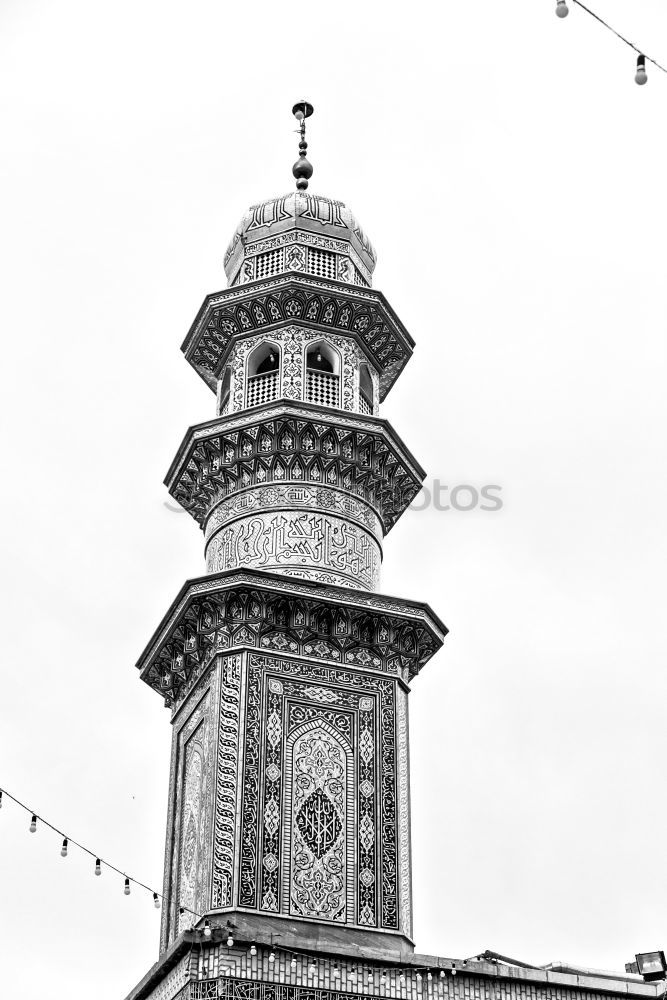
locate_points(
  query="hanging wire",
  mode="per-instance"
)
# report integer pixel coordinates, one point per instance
(67, 841)
(618, 34)
(308, 958)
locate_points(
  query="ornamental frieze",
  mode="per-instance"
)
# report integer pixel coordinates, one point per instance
(226, 618)
(326, 306)
(302, 543)
(363, 457)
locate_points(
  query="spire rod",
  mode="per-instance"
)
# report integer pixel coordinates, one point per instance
(302, 169)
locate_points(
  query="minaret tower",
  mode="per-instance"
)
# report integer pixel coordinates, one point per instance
(287, 676)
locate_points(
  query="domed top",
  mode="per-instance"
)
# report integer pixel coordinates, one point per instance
(299, 232)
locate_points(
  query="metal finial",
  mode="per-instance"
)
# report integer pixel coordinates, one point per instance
(302, 169)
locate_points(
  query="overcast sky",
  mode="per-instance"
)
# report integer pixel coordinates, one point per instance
(511, 176)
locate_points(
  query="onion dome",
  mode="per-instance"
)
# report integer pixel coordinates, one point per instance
(300, 232)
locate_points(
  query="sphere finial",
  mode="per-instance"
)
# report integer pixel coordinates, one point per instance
(302, 169)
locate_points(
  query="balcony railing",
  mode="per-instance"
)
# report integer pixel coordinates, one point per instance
(262, 388)
(322, 388)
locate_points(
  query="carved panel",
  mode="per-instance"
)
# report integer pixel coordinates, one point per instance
(321, 774)
(319, 779)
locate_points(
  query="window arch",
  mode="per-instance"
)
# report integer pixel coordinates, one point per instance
(365, 390)
(263, 378)
(225, 392)
(322, 374)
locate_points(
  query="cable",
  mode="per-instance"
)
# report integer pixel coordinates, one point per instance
(93, 854)
(622, 38)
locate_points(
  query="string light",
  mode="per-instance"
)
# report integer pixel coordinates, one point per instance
(640, 76)
(312, 969)
(230, 940)
(401, 978)
(272, 956)
(68, 842)
(429, 976)
(383, 978)
(292, 964)
(336, 972)
(253, 950)
(442, 973)
(207, 928)
(370, 976)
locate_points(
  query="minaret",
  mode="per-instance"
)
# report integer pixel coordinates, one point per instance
(287, 676)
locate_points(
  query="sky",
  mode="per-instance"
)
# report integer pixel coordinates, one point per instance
(511, 176)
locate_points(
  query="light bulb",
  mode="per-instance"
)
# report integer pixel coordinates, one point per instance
(401, 979)
(126, 890)
(253, 950)
(319, 357)
(641, 76)
(429, 976)
(63, 849)
(336, 972)
(311, 969)
(293, 962)
(370, 977)
(33, 823)
(230, 940)
(352, 975)
(207, 929)
(419, 977)
(98, 866)
(156, 901)
(383, 978)
(442, 973)
(299, 116)
(272, 957)
(562, 10)
(453, 971)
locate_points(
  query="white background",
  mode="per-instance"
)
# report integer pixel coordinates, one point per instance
(511, 176)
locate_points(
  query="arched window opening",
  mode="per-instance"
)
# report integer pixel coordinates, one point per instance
(365, 391)
(263, 375)
(322, 375)
(225, 393)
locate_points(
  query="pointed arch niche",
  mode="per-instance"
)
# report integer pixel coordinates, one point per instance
(322, 374)
(319, 832)
(263, 374)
